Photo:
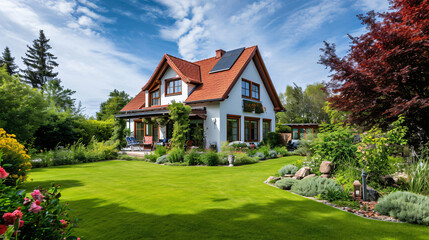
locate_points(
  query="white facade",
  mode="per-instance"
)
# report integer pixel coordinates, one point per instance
(215, 124)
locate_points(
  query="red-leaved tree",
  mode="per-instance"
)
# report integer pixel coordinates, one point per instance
(386, 70)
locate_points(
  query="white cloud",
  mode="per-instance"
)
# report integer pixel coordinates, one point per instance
(376, 5)
(88, 63)
(199, 31)
(253, 11)
(61, 6)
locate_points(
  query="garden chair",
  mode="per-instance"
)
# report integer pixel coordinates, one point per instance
(133, 142)
(148, 141)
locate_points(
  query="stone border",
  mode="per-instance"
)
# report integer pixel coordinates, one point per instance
(347, 209)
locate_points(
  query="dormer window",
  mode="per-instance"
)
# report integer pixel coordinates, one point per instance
(154, 98)
(249, 89)
(173, 86)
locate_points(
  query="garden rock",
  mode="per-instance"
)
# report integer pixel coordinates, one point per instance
(272, 178)
(302, 173)
(387, 180)
(309, 176)
(289, 175)
(373, 195)
(325, 175)
(325, 167)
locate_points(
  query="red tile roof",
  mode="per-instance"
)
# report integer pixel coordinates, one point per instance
(136, 103)
(210, 86)
(216, 85)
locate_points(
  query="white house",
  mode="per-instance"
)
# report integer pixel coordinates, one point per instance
(231, 96)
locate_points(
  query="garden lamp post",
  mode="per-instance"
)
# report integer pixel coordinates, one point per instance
(364, 191)
(357, 189)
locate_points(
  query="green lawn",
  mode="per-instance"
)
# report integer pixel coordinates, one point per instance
(140, 200)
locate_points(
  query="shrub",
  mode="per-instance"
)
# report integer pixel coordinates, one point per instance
(272, 139)
(405, 206)
(223, 158)
(151, 157)
(259, 155)
(334, 143)
(282, 151)
(160, 150)
(242, 159)
(176, 155)
(376, 146)
(211, 158)
(285, 183)
(288, 169)
(238, 146)
(264, 150)
(43, 217)
(272, 154)
(16, 161)
(314, 186)
(127, 157)
(418, 177)
(251, 152)
(193, 158)
(161, 160)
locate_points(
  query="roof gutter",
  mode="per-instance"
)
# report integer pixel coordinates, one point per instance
(207, 100)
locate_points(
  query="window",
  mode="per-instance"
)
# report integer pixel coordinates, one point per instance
(251, 129)
(154, 96)
(233, 128)
(295, 133)
(249, 89)
(245, 88)
(151, 130)
(255, 91)
(173, 86)
(266, 127)
(139, 131)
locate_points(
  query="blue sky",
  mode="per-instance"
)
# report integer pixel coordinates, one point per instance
(116, 44)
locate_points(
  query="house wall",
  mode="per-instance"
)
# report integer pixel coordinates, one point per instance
(170, 73)
(234, 104)
(212, 124)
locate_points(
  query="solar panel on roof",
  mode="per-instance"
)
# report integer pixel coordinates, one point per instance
(227, 60)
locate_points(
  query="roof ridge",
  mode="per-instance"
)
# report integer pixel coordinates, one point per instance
(182, 59)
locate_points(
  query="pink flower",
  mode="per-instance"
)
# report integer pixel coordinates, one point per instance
(9, 218)
(64, 223)
(37, 195)
(3, 229)
(18, 213)
(21, 223)
(3, 173)
(35, 207)
(26, 200)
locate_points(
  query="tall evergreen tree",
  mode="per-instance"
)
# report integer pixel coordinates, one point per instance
(9, 61)
(39, 62)
(59, 96)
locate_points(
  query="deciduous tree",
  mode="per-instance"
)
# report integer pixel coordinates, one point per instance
(117, 100)
(386, 70)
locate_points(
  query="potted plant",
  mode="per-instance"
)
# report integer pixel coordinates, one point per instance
(231, 157)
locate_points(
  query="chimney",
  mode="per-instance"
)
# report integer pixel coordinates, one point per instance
(219, 53)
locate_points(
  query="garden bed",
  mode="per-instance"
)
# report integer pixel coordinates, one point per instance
(369, 213)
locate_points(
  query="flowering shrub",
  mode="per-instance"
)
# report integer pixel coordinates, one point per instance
(375, 146)
(334, 143)
(16, 161)
(41, 217)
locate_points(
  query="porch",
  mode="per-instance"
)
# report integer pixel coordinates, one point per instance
(153, 127)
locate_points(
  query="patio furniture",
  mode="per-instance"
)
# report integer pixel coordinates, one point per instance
(131, 142)
(148, 141)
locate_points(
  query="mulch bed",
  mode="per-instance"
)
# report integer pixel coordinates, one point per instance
(366, 209)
